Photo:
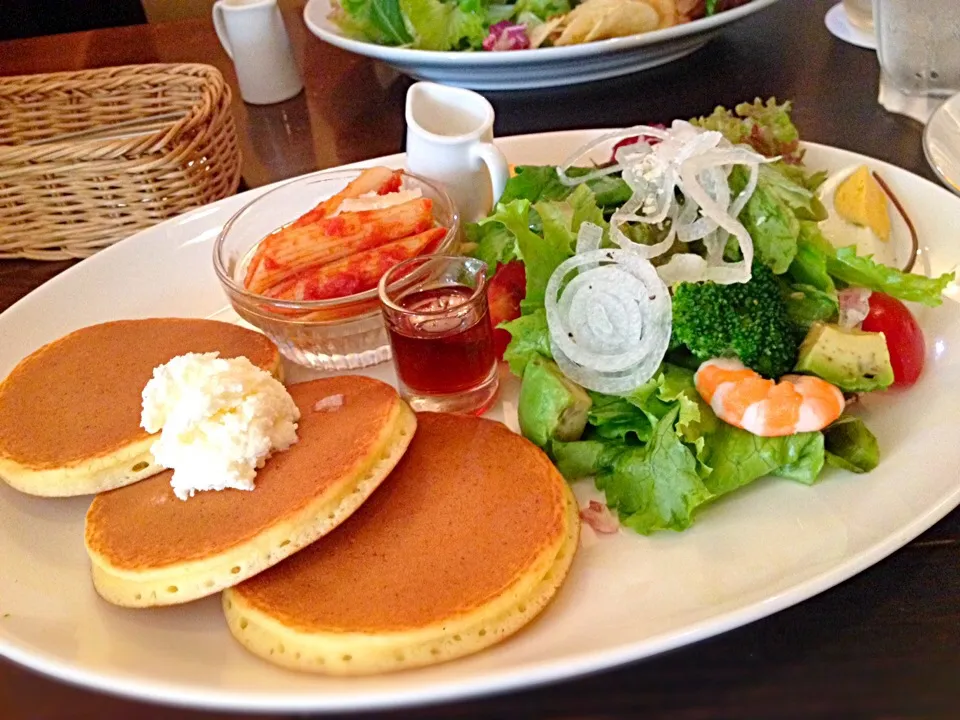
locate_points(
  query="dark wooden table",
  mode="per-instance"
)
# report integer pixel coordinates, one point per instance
(885, 644)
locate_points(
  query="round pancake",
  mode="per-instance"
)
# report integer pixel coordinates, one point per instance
(149, 548)
(465, 543)
(70, 412)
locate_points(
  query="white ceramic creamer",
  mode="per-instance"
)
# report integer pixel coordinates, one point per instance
(253, 35)
(450, 140)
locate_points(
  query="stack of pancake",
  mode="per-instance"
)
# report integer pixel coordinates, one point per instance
(381, 540)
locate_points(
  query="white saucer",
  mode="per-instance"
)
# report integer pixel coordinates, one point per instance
(839, 25)
(941, 143)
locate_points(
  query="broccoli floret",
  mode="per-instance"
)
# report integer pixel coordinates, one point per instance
(747, 320)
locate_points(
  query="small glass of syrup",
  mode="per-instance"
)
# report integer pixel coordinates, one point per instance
(435, 310)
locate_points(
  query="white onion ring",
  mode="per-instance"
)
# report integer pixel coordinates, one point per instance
(635, 131)
(697, 163)
(610, 324)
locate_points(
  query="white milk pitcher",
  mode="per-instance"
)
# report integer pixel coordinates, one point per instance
(253, 35)
(450, 140)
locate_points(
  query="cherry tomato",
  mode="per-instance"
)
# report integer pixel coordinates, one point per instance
(506, 289)
(904, 337)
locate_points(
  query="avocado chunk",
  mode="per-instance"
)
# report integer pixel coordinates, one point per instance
(853, 360)
(551, 407)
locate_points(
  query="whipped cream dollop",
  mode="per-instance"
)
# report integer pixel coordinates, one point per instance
(219, 420)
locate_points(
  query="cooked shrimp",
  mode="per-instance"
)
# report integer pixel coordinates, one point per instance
(741, 397)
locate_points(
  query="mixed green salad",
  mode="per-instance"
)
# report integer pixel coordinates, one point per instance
(438, 24)
(616, 288)
(511, 24)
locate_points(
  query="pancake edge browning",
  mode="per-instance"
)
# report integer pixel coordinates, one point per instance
(100, 473)
(183, 582)
(355, 654)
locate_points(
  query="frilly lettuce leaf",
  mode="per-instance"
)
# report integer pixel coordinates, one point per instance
(862, 271)
(557, 223)
(771, 223)
(614, 418)
(529, 338)
(816, 257)
(809, 266)
(543, 9)
(540, 254)
(540, 182)
(583, 203)
(790, 185)
(507, 234)
(533, 183)
(380, 21)
(766, 127)
(493, 244)
(799, 175)
(773, 213)
(661, 453)
(583, 458)
(551, 407)
(655, 486)
(737, 457)
(527, 12)
(673, 386)
(438, 25)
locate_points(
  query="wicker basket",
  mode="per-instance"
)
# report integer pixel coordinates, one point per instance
(89, 157)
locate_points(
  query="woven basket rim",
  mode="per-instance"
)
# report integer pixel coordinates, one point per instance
(63, 196)
(212, 75)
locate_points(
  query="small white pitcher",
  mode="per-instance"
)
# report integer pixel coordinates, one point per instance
(253, 35)
(450, 140)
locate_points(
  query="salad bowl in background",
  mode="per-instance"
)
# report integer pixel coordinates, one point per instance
(541, 67)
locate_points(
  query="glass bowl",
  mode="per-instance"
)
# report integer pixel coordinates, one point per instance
(337, 334)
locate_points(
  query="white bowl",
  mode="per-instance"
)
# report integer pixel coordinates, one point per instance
(543, 67)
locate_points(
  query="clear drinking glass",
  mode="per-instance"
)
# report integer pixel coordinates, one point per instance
(436, 314)
(918, 44)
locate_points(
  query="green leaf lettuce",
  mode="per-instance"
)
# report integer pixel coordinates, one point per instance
(438, 25)
(851, 446)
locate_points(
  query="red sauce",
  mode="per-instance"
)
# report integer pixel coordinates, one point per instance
(443, 354)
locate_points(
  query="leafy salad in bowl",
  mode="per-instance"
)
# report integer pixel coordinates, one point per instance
(512, 24)
(687, 316)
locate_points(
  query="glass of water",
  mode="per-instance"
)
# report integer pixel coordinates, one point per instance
(918, 44)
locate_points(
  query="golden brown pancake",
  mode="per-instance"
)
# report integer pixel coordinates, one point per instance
(465, 543)
(150, 548)
(70, 412)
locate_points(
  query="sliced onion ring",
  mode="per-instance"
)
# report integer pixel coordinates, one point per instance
(609, 323)
(637, 130)
(697, 163)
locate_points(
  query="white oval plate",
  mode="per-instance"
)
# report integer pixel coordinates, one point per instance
(758, 551)
(543, 67)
